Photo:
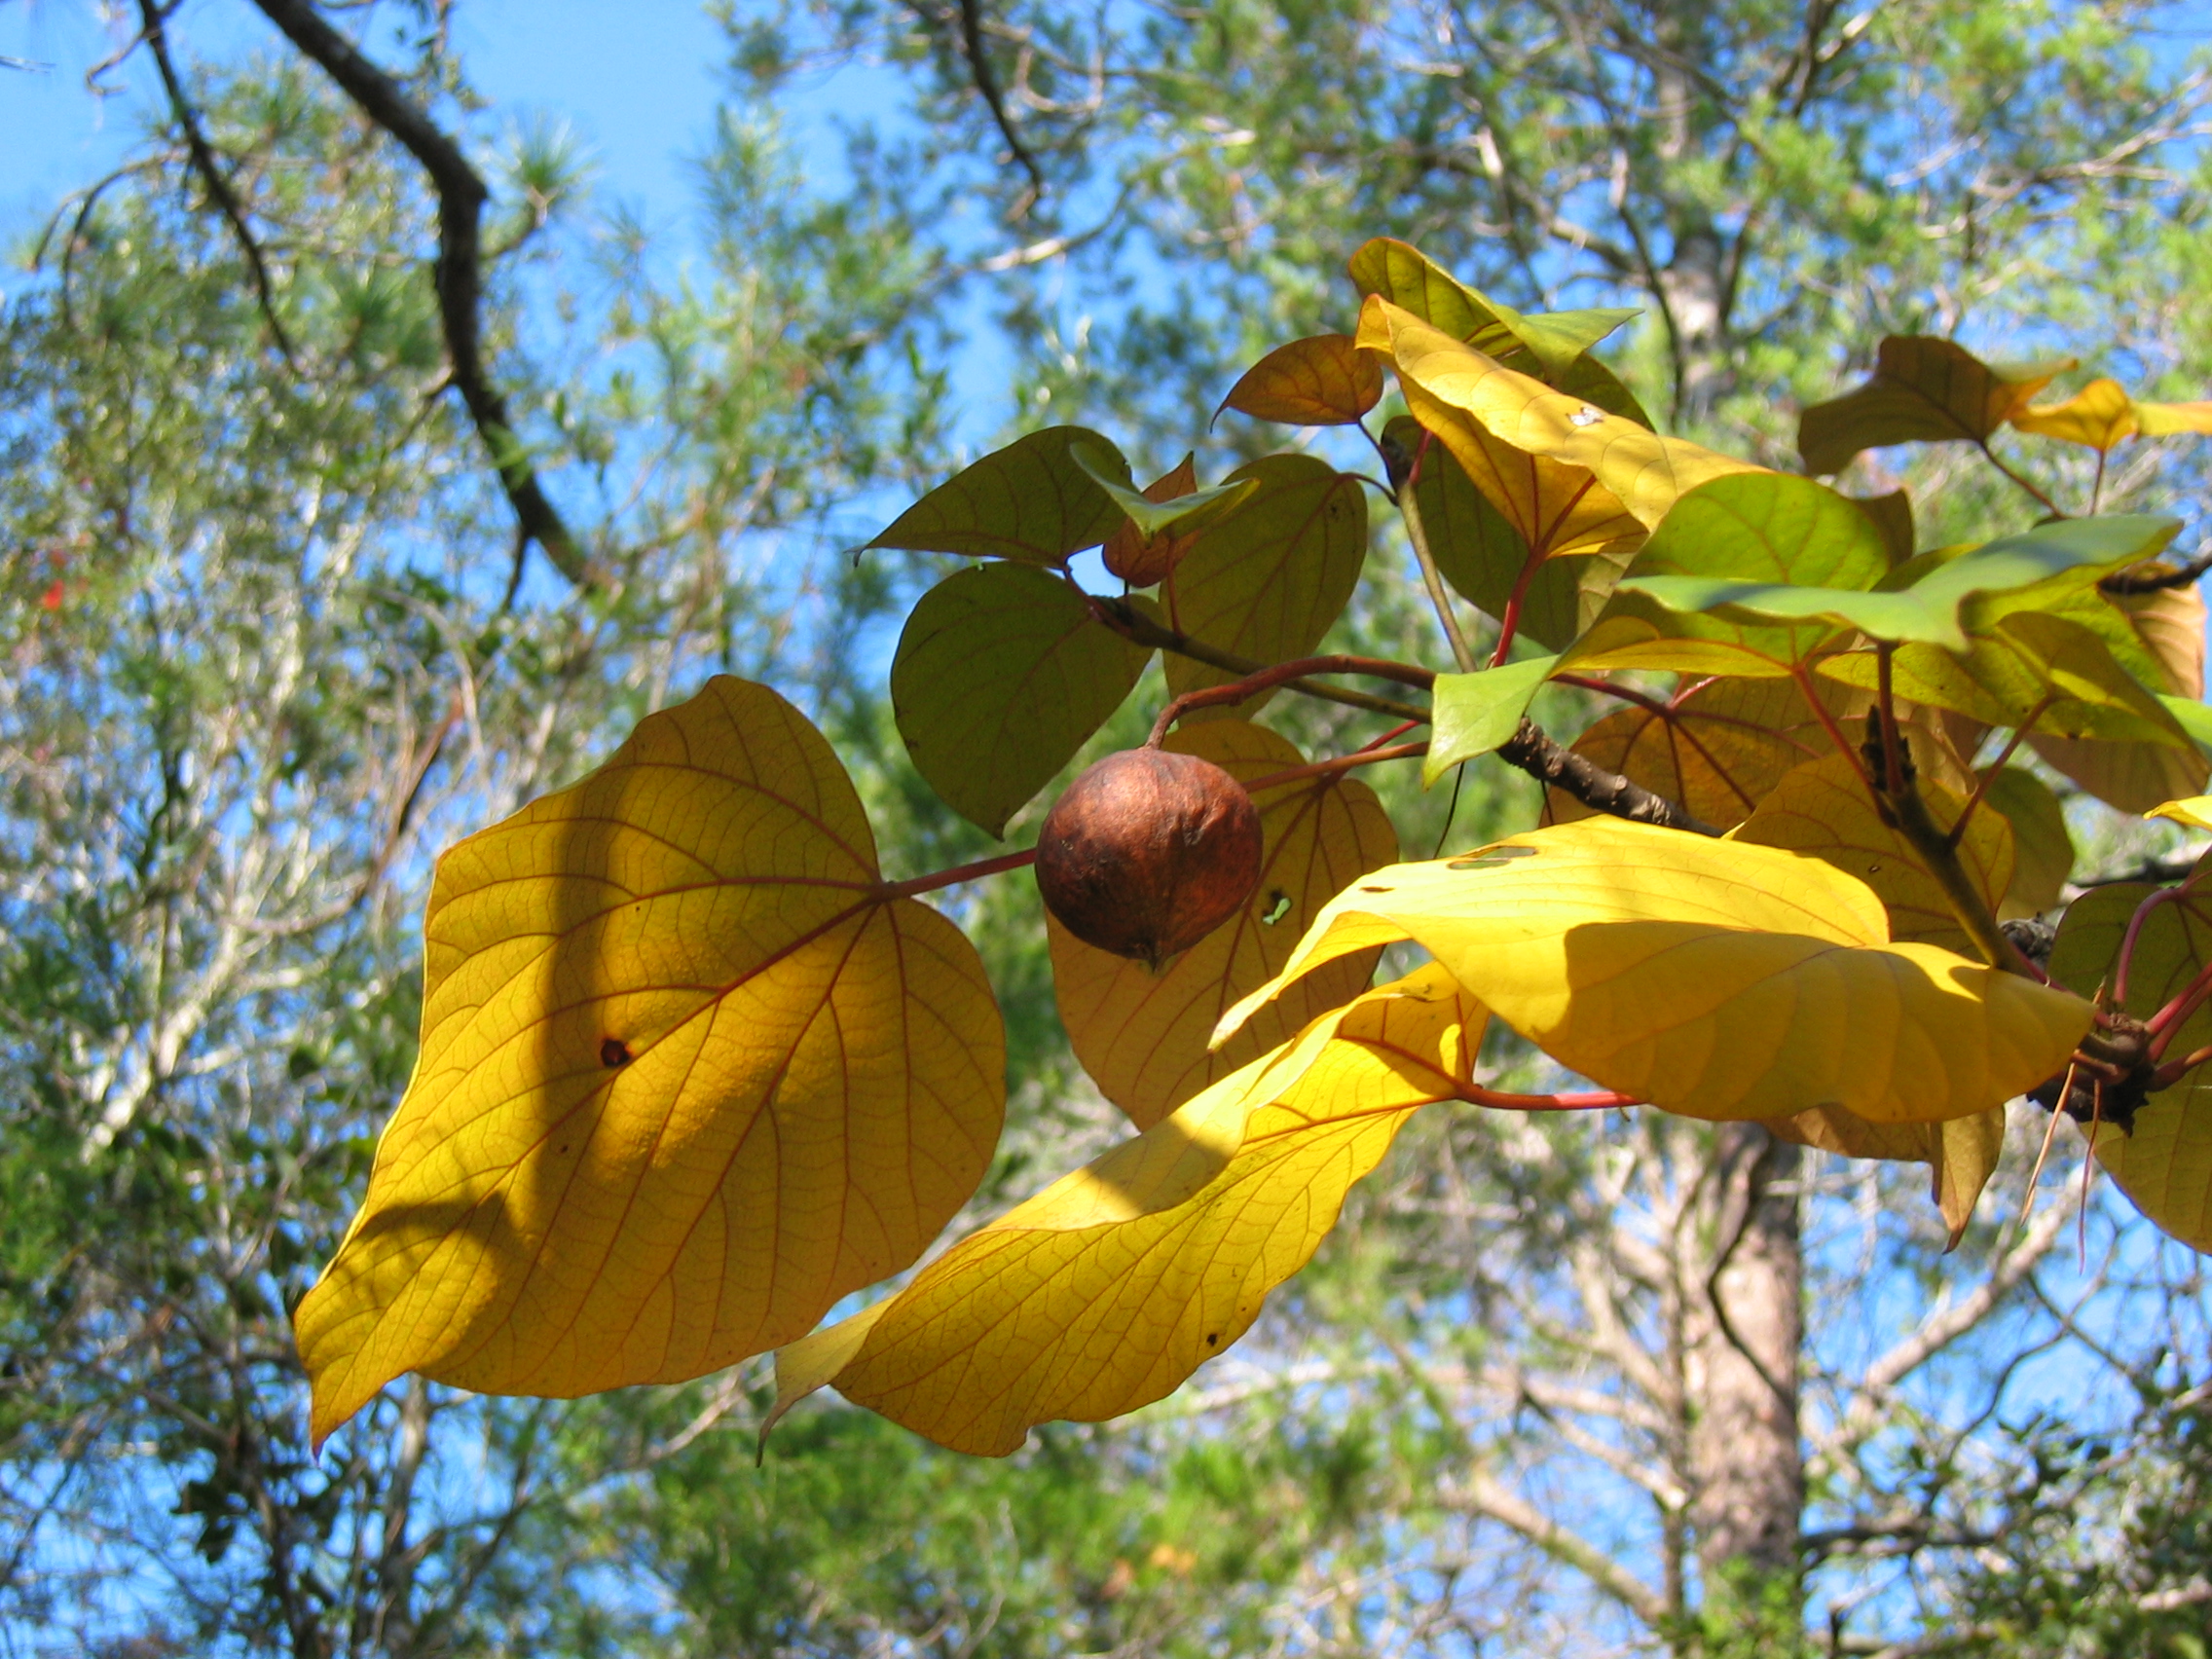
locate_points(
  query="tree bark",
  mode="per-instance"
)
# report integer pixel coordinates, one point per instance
(1744, 1329)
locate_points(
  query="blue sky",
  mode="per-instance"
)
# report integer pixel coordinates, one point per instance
(636, 80)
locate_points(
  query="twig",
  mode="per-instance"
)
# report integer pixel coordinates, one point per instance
(462, 196)
(1285, 673)
(987, 86)
(219, 189)
(1539, 755)
(1133, 624)
(2124, 582)
(1406, 477)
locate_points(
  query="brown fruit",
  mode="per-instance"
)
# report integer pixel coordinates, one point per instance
(1148, 852)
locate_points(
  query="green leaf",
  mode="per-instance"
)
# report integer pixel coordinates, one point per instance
(2193, 717)
(1472, 713)
(2044, 850)
(1928, 610)
(1923, 390)
(1029, 502)
(1187, 512)
(1001, 674)
(1269, 580)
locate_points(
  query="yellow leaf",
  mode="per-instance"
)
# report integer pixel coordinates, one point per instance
(1109, 1288)
(1142, 1035)
(1709, 978)
(2170, 623)
(1271, 579)
(2166, 420)
(2196, 812)
(1962, 1152)
(1923, 391)
(1822, 808)
(688, 1075)
(2098, 415)
(1559, 510)
(1323, 381)
(1646, 472)
(1720, 747)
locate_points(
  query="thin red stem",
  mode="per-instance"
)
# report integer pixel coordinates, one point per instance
(2151, 903)
(954, 876)
(1509, 624)
(2166, 1076)
(1342, 764)
(1399, 731)
(1638, 698)
(2166, 1023)
(1595, 1100)
(1826, 719)
(1996, 766)
(1266, 678)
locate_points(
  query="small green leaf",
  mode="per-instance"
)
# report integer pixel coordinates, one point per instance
(1029, 502)
(1001, 675)
(1472, 713)
(1182, 512)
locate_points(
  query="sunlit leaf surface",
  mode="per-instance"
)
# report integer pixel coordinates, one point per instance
(1109, 1288)
(1028, 502)
(1923, 390)
(1709, 978)
(1322, 380)
(687, 1076)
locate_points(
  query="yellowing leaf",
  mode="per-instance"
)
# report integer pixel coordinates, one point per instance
(2168, 420)
(1822, 808)
(1647, 473)
(1923, 390)
(1962, 1152)
(687, 1076)
(2098, 415)
(2196, 812)
(1000, 675)
(1142, 1035)
(1269, 580)
(2170, 623)
(1555, 507)
(2131, 776)
(1553, 346)
(1028, 502)
(1109, 1288)
(1718, 747)
(2043, 849)
(1481, 554)
(1709, 978)
(1322, 380)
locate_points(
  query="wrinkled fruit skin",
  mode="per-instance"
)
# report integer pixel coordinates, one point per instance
(1148, 852)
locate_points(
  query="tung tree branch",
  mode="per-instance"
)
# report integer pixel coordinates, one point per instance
(458, 271)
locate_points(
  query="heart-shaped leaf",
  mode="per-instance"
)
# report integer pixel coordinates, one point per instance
(688, 1075)
(1267, 581)
(1822, 808)
(1923, 390)
(1028, 502)
(1001, 675)
(1322, 381)
(1142, 1034)
(1709, 978)
(1472, 713)
(1108, 1289)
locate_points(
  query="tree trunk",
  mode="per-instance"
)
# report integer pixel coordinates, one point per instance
(1744, 1327)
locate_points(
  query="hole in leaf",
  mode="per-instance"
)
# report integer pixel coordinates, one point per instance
(1489, 858)
(1212, 1338)
(1278, 906)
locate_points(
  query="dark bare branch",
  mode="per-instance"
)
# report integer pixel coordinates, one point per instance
(1539, 755)
(210, 172)
(994, 99)
(462, 196)
(2153, 576)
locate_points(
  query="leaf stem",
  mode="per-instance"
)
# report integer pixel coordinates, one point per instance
(1285, 672)
(1909, 814)
(1835, 731)
(2151, 903)
(1367, 756)
(1134, 625)
(1893, 764)
(1591, 1100)
(2171, 1073)
(1989, 775)
(1991, 456)
(1439, 597)
(954, 876)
